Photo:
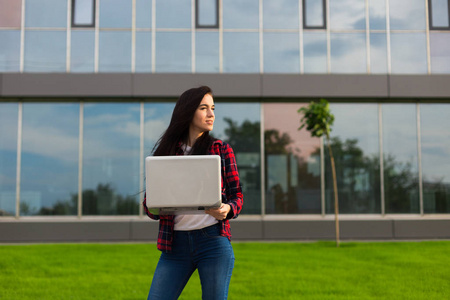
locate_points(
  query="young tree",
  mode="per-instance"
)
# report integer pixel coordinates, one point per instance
(318, 120)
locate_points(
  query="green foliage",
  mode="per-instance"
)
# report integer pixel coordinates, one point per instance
(380, 270)
(104, 200)
(244, 137)
(317, 118)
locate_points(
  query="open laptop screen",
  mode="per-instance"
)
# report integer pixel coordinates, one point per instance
(182, 183)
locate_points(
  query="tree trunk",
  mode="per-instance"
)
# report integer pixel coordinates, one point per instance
(336, 202)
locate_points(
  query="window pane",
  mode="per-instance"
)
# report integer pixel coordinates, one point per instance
(115, 13)
(143, 52)
(83, 12)
(10, 13)
(241, 14)
(173, 14)
(439, 13)
(440, 52)
(401, 186)
(49, 173)
(114, 51)
(207, 52)
(10, 51)
(111, 159)
(377, 14)
(348, 53)
(173, 52)
(292, 160)
(240, 52)
(143, 13)
(435, 138)
(315, 52)
(407, 14)
(83, 51)
(356, 154)
(281, 53)
(45, 51)
(281, 14)
(314, 13)
(347, 14)
(239, 125)
(207, 13)
(157, 118)
(8, 158)
(408, 53)
(46, 13)
(378, 53)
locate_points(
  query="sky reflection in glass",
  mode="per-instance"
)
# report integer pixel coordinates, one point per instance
(240, 52)
(401, 186)
(408, 53)
(45, 51)
(9, 51)
(440, 52)
(82, 51)
(281, 53)
(348, 53)
(347, 14)
(407, 14)
(111, 157)
(435, 139)
(49, 173)
(8, 158)
(173, 52)
(240, 14)
(315, 52)
(280, 14)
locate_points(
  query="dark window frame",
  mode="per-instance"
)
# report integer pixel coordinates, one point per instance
(92, 25)
(198, 25)
(305, 26)
(430, 17)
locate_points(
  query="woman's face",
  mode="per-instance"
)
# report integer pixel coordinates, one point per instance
(204, 115)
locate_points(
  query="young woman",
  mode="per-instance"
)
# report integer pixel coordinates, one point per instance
(196, 241)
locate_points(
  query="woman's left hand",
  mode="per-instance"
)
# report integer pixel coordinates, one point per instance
(219, 213)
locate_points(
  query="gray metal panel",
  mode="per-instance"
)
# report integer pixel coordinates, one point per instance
(246, 230)
(324, 85)
(419, 229)
(172, 85)
(66, 85)
(64, 231)
(419, 86)
(366, 229)
(135, 229)
(224, 85)
(274, 230)
(144, 230)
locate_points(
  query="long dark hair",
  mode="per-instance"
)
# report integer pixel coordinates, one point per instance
(178, 130)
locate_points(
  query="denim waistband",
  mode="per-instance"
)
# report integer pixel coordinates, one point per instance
(199, 230)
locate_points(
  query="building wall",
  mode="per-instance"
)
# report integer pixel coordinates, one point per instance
(82, 104)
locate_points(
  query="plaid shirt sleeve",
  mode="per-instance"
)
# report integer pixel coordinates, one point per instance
(231, 185)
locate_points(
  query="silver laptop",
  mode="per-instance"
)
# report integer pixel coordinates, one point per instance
(183, 184)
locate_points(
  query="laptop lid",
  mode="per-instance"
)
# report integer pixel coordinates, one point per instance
(182, 183)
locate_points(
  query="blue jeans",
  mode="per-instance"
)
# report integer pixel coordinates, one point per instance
(204, 249)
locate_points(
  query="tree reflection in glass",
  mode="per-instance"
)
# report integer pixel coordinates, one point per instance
(292, 163)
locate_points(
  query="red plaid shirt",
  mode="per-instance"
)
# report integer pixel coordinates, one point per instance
(231, 194)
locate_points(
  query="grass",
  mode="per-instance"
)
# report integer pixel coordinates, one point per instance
(380, 270)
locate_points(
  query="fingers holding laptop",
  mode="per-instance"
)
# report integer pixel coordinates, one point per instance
(219, 213)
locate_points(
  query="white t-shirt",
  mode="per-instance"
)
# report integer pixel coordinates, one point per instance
(193, 221)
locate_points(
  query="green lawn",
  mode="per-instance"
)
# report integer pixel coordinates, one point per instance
(379, 270)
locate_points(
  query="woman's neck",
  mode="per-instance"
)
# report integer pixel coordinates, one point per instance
(193, 136)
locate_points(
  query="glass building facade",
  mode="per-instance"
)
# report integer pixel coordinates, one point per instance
(83, 156)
